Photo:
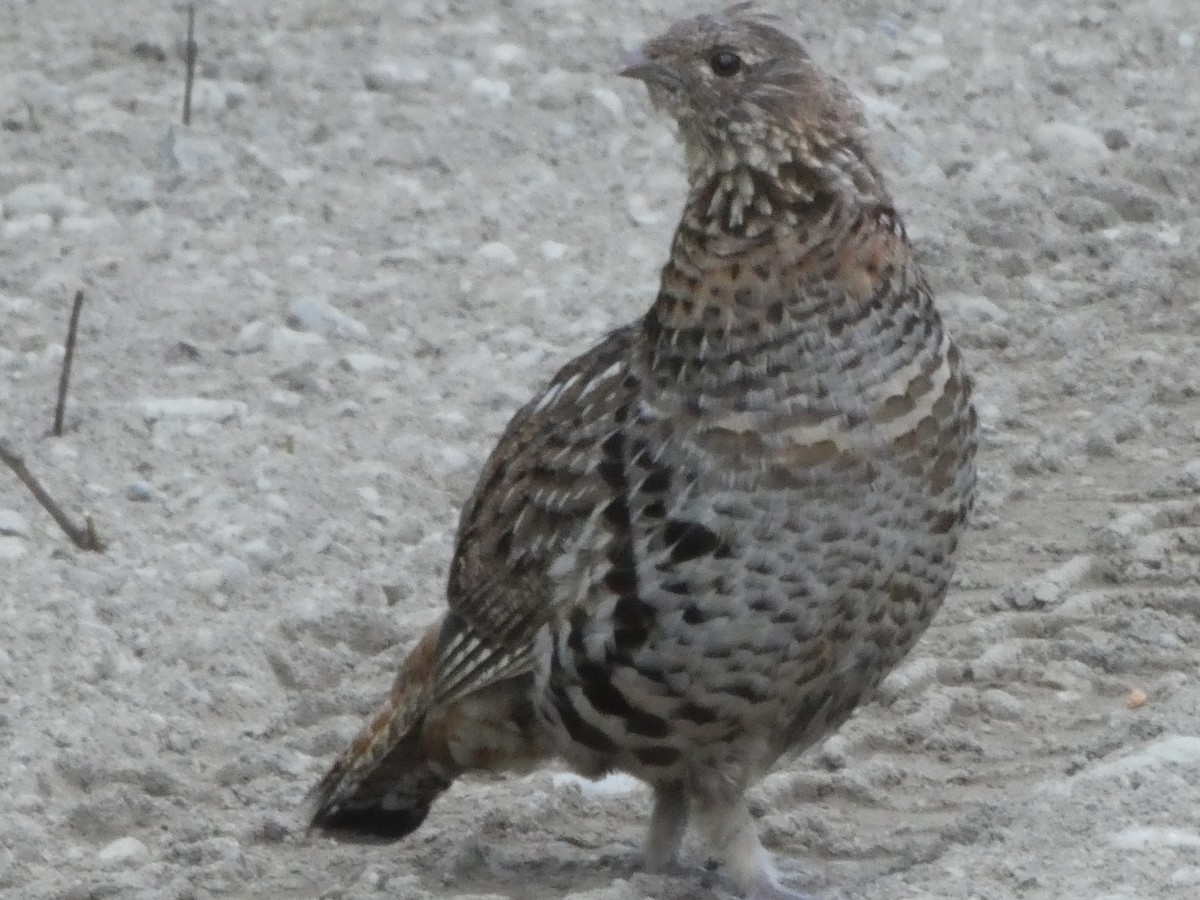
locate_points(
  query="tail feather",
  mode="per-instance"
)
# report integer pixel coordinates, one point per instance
(389, 803)
(383, 785)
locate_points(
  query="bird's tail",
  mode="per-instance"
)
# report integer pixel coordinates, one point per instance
(382, 786)
(384, 783)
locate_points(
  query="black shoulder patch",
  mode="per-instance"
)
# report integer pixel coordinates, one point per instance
(691, 540)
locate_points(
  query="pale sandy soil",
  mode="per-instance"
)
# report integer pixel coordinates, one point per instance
(479, 196)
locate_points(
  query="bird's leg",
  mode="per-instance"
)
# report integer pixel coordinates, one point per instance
(667, 825)
(728, 829)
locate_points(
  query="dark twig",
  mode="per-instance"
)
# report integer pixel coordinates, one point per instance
(84, 538)
(190, 62)
(64, 378)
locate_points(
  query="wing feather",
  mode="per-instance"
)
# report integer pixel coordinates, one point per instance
(535, 501)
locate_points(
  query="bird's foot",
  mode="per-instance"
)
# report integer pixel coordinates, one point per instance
(730, 830)
(769, 888)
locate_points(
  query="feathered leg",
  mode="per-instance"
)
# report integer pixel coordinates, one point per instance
(730, 832)
(668, 823)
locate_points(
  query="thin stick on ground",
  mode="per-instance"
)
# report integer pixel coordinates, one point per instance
(85, 538)
(64, 378)
(190, 63)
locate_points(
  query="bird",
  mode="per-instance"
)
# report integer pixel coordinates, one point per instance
(704, 544)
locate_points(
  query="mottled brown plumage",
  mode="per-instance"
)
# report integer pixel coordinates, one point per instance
(714, 533)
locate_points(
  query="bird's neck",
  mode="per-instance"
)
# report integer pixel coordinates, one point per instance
(756, 218)
(750, 184)
(778, 258)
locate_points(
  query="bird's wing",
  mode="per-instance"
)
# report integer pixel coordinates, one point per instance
(538, 509)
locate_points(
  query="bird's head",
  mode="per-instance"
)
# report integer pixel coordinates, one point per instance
(736, 84)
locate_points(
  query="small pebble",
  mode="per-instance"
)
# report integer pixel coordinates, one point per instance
(133, 193)
(1068, 143)
(1115, 139)
(498, 253)
(260, 554)
(912, 677)
(233, 571)
(284, 401)
(320, 317)
(139, 492)
(1152, 838)
(394, 78)
(973, 309)
(641, 213)
(1000, 704)
(13, 524)
(508, 54)
(924, 66)
(12, 548)
(196, 408)
(609, 99)
(887, 78)
(366, 363)
(40, 198)
(205, 581)
(253, 337)
(494, 90)
(124, 849)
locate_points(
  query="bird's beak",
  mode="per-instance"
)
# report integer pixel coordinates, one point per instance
(636, 64)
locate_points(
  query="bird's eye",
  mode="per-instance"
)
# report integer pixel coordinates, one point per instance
(725, 63)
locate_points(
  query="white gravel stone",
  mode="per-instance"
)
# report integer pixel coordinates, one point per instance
(495, 90)
(1050, 588)
(911, 677)
(972, 308)
(253, 337)
(204, 581)
(1069, 143)
(923, 67)
(367, 364)
(610, 100)
(123, 850)
(260, 554)
(192, 156)
(13, 524)
(1000, 704)
(193, 408)
(41, 198)
(1155, 838)
(234, 571)
(508, 55)
(395, 77)
(615, 784)
(133, 193)
(641, 213)
(887, 78)
(1171, 750)
(321, 317)
(498, 253)
(12, 548)
(284, 400)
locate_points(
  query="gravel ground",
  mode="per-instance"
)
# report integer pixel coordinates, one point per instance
(310, 314)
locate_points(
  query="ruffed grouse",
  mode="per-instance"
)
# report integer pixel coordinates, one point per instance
(712, 535)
